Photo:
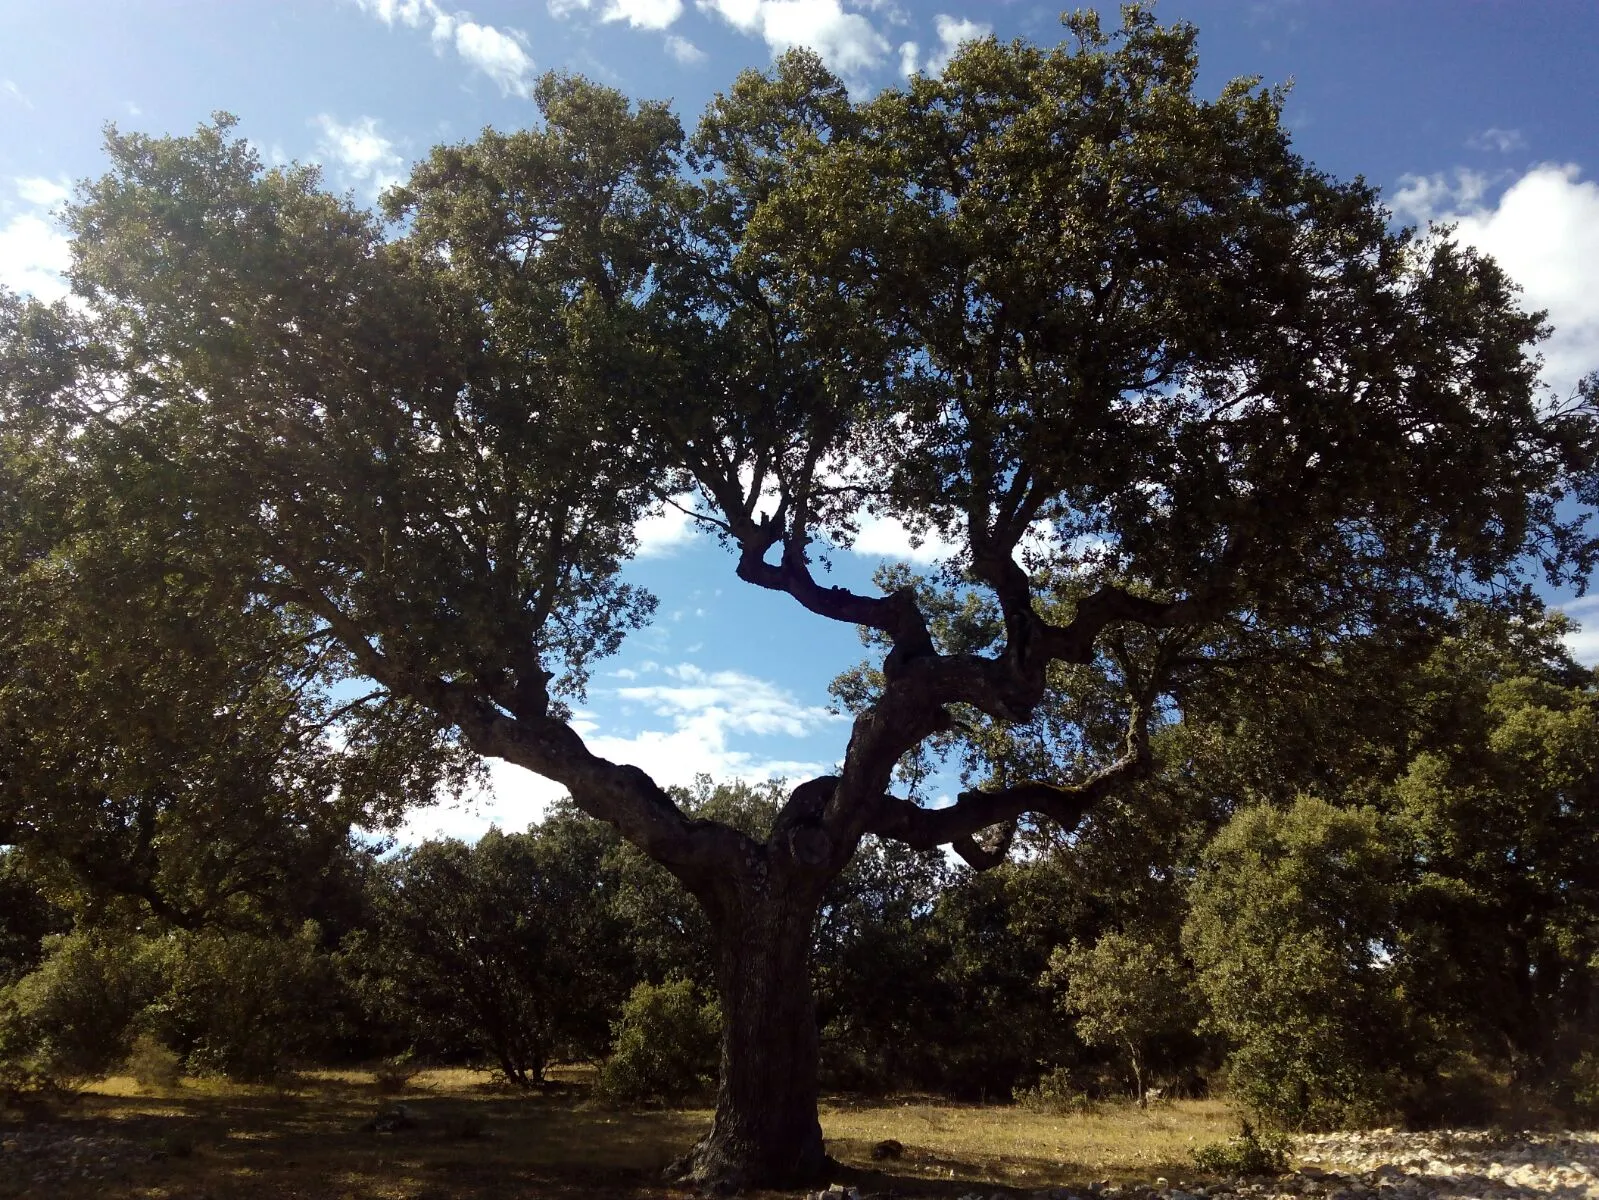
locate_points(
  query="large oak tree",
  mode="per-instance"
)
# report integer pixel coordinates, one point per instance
(1174, 394)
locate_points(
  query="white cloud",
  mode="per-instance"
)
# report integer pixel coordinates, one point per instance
(702, 713)
(909, 57)
(10, 88)
(513, 799)
(43, 193)
(952, 31)
(34, 250)
(846, 41)
(1544, 231)
(640, 14)
(360, 152)
(704, 708)
(1425, 198)
(501, 54)
(1501, 140)
(683, 50)
(666, 530)
(498, 54)
(1583, 642)
(887, 537)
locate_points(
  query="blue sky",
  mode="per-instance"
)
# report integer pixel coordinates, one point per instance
(1482, 113)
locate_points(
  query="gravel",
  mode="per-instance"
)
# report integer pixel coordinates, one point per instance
(1385, 1164)
(49, 1154)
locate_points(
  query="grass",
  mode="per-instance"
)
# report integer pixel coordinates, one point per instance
(474, 1140)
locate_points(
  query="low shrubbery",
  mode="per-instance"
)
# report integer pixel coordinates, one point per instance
(1252, 1152)
(666, 1047)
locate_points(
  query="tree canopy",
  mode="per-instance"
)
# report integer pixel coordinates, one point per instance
(1180, 400)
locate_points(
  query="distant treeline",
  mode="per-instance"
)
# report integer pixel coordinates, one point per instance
(1344, 904)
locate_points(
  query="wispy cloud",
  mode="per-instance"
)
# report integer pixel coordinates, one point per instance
(666, 530)
(685, 51)
(1501, 141)
(501, 54)
(640, 14)
(10, 88)
(705, 712)
(1430, 197)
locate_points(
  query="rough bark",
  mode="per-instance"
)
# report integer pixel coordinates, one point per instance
(766, 1132)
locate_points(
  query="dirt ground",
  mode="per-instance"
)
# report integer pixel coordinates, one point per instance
(323, 1137)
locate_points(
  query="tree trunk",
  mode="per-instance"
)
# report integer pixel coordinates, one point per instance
(766, 1133)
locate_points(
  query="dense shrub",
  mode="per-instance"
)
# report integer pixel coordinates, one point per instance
(73, 1016)
(1291, 930)
(154, 1067)
(244, 1005)
(666, 1047)
(1057, 1091)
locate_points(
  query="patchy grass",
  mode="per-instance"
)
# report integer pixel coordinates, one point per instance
(471, 1139)
(1009, 1145)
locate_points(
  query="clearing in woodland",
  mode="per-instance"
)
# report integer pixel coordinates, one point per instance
(467, 1137)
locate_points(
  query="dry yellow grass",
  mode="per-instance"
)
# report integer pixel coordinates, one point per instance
(1000, 1143)
(472, 1139)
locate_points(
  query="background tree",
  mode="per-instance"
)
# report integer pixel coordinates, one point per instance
(1292, 930)
(1126, 990)
(1049, 300)
(1495, 820)
(507, 943)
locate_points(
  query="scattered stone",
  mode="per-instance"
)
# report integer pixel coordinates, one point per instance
(391, 1118)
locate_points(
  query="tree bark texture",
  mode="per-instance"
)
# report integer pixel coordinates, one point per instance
(766, 1132)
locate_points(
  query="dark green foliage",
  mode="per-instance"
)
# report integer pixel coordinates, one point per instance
(877, 923)
(1195, 414)
(1292, 930)
(247, 1006)
(665, 1047)
(1494, 818)
(27, 917)
(510, 946)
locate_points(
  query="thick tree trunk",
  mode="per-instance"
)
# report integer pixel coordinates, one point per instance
(766, 1132)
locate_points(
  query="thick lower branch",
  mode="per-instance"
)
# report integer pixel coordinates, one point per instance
(977, 809)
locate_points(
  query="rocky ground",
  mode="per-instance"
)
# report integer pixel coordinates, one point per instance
(47, 1154)
(1385, 1165)
(1378, 1165)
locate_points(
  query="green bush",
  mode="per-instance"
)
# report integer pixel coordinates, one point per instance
(243, 1005)
(154, 1067)
(1250, 1153)
(666, 1047)
(73, 1017)
(1583, 1085)
(1055, 1092)
(1291, 927)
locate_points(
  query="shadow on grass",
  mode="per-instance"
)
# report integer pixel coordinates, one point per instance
(317, 1144)
(459, 1140)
